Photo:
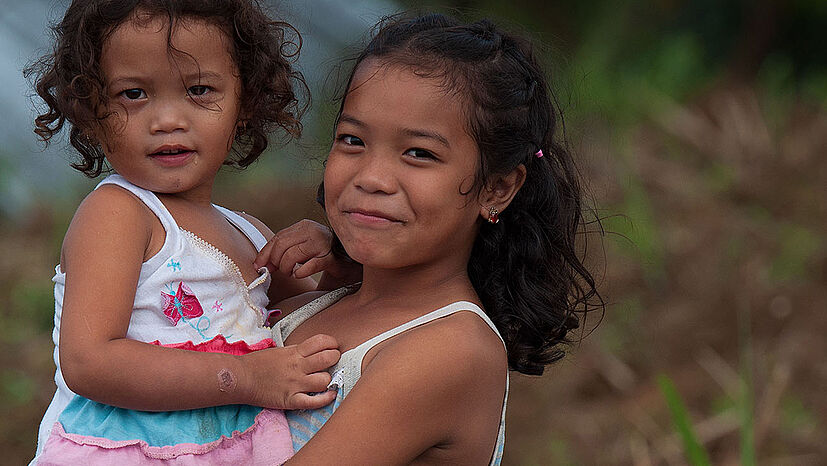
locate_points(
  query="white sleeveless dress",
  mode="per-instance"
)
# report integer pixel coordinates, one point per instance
(190, 296)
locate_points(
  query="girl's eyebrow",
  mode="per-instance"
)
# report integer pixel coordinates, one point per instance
(412, 132)
(345, 118)
(124, 79)
(424, 133)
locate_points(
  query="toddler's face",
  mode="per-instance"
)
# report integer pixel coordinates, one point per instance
(173, 112)
(397, 171)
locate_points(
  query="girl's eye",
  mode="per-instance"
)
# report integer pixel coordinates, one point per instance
(350, 140)
(134, 94)
(420, 154)
(198, 90)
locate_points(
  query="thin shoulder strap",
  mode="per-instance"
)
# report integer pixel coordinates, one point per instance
(433, 315)
(351, 361)
(147, 197)
(288, 323)
(250, 231)
(350, 364)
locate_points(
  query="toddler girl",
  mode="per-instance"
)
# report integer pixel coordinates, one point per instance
(158, 305)
(447, 182)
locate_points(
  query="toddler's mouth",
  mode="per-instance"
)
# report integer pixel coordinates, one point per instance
(172, 155)
(170, 152)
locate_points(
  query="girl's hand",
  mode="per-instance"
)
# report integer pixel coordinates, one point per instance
(304, 249)
(299, 250)
(293, 377)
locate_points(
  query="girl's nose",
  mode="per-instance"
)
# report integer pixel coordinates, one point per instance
(169, 117)
(376, 174)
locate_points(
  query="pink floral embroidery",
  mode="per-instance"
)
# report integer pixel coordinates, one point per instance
(182, 304)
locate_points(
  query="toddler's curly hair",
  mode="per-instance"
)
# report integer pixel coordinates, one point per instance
(70, 81)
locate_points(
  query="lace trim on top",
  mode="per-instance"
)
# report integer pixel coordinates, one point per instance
(232, 270)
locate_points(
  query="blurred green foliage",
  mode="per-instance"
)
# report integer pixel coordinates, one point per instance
(798, 245)
(696, 454)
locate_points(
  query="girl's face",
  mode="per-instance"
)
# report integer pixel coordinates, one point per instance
(173, 113)
(397, 171)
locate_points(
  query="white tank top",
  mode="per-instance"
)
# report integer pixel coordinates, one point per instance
(346, 373)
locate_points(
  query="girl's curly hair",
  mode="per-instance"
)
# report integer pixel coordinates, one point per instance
(70, 81)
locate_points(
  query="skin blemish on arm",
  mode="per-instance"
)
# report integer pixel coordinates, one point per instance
(226, 380)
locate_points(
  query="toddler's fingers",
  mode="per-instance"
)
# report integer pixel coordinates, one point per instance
(317, 343)
(316, 382)
(321, 361)
(305, 401)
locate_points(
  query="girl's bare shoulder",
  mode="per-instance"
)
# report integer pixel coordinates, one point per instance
(457, 349)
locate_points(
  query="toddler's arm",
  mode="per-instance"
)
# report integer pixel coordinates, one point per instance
(102, 255)
(304, 249)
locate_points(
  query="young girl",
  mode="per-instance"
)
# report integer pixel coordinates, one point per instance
(158, 305)
(446, 181)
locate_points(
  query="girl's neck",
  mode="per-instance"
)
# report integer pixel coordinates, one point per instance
(424, 286)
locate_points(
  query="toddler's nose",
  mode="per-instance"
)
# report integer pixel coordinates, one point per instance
(169, 117)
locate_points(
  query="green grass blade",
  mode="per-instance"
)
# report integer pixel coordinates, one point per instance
(695, 452)
(746, 401)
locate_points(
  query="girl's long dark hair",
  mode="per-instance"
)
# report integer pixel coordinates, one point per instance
(525, 269)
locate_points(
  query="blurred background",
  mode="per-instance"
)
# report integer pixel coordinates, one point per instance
(701, 131)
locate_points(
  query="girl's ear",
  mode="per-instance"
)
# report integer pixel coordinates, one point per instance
(498, 193)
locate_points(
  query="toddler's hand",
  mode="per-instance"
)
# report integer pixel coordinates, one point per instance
(299, 250)
(285, 378)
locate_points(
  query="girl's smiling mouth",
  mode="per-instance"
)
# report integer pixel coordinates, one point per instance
(372, 217)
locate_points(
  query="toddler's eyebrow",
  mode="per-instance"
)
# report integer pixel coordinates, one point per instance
(203, 75)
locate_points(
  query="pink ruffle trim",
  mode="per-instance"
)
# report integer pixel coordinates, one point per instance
(220, 345)
(267, 441)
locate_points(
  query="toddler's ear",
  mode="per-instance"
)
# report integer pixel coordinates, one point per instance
(500, 190)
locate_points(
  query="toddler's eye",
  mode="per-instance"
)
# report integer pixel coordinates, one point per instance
(351, 140)
(198, 90)
(134, 94)
(420, 154)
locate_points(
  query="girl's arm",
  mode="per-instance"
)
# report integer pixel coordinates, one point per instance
(439, 385)
(102, 256)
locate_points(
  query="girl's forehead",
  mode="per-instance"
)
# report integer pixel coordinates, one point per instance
(398, 80)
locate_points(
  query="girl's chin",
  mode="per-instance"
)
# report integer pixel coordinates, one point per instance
(373, 258)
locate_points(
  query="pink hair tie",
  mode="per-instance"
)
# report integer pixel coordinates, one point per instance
(539, 153)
